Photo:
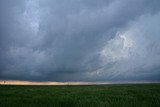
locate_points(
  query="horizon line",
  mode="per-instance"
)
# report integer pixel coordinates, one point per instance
(22, 82)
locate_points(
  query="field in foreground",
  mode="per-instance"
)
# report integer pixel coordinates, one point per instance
(131, 95)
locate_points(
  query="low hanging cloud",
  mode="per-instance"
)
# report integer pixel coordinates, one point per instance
(80, 40)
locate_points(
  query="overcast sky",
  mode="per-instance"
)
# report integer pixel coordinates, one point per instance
(80, 40)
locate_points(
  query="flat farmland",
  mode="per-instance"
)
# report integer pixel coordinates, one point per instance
(112, 95)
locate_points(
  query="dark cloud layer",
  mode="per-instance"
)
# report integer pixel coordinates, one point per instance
(80, 40)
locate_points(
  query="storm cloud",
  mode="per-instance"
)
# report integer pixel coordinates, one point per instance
(80, 40)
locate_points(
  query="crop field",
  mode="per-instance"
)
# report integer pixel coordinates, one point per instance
(115, 95)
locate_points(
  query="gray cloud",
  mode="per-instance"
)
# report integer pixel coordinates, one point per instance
(80, 40)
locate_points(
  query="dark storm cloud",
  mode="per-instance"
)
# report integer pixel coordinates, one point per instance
(79, 40)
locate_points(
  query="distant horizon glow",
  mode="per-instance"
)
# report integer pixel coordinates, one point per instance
(20, 82)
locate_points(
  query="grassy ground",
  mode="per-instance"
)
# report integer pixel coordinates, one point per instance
(141, 95)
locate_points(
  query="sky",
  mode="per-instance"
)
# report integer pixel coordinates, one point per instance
(80, 40)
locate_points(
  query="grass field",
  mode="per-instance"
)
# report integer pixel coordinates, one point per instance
(122, 95)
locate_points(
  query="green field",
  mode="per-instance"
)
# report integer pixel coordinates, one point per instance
(120, 95)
